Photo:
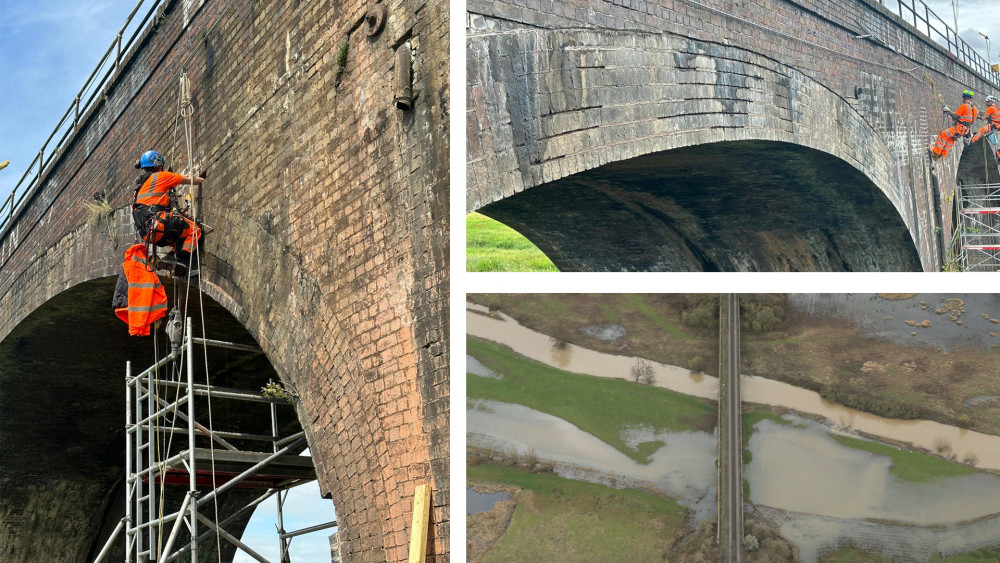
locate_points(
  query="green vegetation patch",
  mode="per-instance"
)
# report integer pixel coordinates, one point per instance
(601, 407)
(492, 246)
(909, 466)
(852, 554)
(559, 519)
(980, 555)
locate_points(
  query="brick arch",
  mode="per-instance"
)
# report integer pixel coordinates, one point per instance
(330, 210)
(556, 90)
(687, 94)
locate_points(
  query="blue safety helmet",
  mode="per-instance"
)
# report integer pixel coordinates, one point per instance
(151, 159)
(967, 94)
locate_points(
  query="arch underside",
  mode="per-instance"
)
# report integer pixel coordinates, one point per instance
(62, 417)
(728, 206)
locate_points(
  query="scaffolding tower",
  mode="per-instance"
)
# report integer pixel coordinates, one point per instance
(156, 401)
(979, 227)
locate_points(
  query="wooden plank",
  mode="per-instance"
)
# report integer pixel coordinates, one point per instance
(421, 519)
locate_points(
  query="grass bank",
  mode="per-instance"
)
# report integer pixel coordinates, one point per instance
(654, 324)
(599, 406)
(907, 465)
(559, 519)
(851, 554)
(492, 246)
(878, 375)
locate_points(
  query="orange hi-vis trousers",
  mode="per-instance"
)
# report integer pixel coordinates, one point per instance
(946, 139)
(165, 230)
(984, 131)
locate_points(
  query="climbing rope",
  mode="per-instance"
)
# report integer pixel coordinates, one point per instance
(186, 112)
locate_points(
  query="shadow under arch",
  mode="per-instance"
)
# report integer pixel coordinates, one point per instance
(62, 417)
(724, 206)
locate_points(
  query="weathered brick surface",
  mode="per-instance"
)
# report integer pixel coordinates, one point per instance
(557, 88)
(330, 214)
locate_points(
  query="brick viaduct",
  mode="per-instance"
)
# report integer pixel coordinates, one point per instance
(330, 251)
(746, 135)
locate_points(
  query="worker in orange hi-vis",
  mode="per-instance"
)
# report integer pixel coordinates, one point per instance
(992, 124)
(154, 218)
(963, 116)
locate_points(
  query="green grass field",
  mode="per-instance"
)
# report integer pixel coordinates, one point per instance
(910, 466)
(492, 246)
(602, 407)
(567, 520)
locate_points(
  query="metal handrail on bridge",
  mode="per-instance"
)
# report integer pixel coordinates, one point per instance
(80, 106)
(925, 21)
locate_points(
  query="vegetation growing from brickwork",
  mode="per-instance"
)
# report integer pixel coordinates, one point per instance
(909, 466)
(653, 323)
(492, 246)
(558, 519)
(342, 52)
(601, 407)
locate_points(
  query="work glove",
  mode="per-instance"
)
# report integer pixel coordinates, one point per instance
(946, 109)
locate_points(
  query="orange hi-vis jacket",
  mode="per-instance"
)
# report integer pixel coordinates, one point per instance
(156, 189)
(966, 113)
(147, 300)
(993, 116)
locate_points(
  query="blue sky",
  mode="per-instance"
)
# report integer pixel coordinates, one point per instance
(48, 48)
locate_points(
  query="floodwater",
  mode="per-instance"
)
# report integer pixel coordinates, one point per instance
(885, 318)
(922, 433)
(476, 502)
(475, 367)
(684, 468)
(822, 493)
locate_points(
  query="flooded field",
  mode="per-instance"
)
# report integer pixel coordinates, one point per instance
(476, 502)
(684, 468)
(887, 318)
(921, 433)
(822, 493)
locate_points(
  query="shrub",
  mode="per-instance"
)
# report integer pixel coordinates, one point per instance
(642, 372)
(696, 363)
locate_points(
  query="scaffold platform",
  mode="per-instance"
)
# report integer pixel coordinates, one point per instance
(979, 227)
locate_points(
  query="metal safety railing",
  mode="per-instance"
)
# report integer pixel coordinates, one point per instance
(87, 98)
(921, 17)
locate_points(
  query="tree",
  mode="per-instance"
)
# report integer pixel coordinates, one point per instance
(642, 372)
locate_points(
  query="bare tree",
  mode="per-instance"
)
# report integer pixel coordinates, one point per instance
(942, 445)
(642, 372)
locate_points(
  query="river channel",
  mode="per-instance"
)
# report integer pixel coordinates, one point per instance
(819, 492)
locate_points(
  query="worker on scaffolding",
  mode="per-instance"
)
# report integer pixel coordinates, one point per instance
(964, 116)
(992, 124)
(154, 214)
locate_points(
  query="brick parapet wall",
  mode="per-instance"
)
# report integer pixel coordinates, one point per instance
(881, 114)
(330, 213)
